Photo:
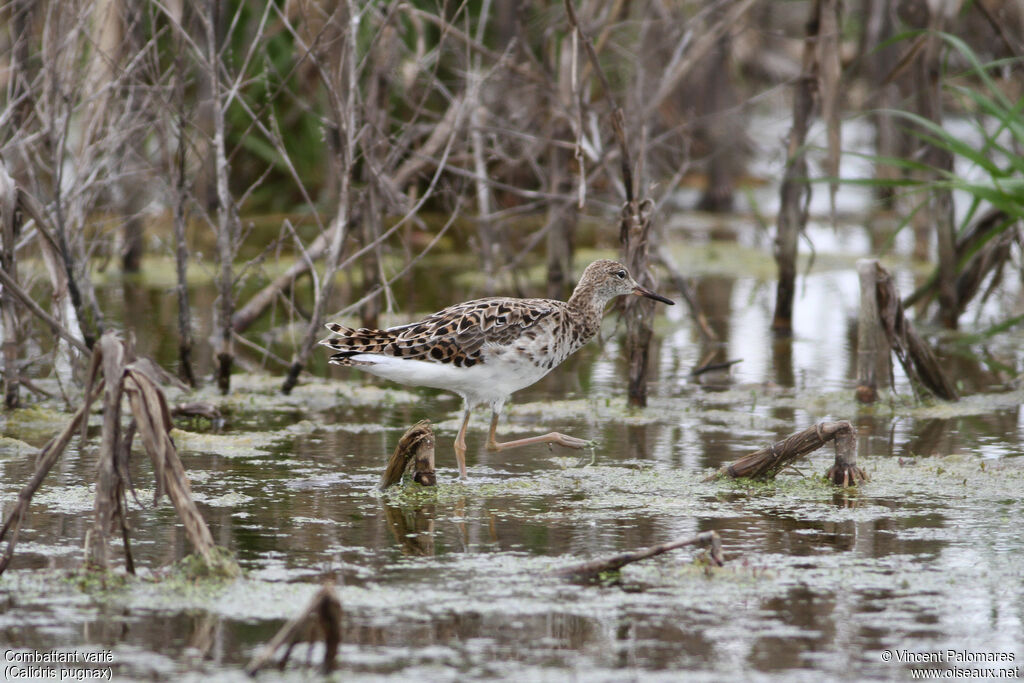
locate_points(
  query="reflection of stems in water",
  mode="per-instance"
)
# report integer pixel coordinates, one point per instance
(590, 571)
(45, 460)
(416, 536)
(459, 520)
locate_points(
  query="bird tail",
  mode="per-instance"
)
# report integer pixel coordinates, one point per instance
(348, 343)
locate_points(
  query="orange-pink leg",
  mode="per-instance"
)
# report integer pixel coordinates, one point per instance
(550, 437)
(460, 446)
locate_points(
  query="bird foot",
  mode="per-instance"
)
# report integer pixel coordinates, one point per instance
(555, 438)
(570, 441)
(582, 461)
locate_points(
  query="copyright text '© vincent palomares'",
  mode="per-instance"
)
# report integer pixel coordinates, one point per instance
(947, 657)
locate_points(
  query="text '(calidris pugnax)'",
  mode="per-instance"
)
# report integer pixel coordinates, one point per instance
(486, 349)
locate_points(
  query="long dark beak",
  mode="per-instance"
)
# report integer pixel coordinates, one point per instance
(643, 291)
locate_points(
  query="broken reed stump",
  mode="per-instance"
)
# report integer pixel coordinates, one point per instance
(769, 461)
(592, 571)
(320, 619)
(916, 357)
(415, 453)
(874, 364)
(115, 373)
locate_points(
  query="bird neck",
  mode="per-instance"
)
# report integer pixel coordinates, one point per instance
(587, 303)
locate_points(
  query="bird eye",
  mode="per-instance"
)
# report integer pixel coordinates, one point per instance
(621, 275)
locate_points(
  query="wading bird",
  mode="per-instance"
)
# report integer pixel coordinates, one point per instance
(486, 349)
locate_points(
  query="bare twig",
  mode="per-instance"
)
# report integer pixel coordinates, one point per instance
(795, 190)
(591, 571)
(664, 258)
(634, 235)
(344, 108)
(8, 282)
(227, 216)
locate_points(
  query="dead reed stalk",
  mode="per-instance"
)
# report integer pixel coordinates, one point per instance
(320, 619)
(769, 461)
(10, 227)
(634, 234)
(592, 571)
(114, 372)
(819, 81)
(341, 85)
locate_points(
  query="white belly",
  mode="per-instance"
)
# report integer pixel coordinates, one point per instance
(490, 382)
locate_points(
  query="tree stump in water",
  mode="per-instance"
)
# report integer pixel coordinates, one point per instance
(414, 452)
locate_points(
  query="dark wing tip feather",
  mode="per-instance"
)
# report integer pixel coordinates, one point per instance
(338, 329)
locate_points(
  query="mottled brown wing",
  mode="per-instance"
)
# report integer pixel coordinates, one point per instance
(456, 334)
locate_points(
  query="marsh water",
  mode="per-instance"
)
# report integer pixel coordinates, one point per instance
(455, 583)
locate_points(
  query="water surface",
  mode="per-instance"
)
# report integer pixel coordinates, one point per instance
(454, 584)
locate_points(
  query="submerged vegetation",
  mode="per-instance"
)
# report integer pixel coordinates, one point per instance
(188, 191)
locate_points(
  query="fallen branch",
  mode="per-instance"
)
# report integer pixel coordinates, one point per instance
(414, 452)
(591, 571)
(320, 619)
(769, 461)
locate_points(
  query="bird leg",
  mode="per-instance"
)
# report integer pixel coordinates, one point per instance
(550, 437)
(460, 446)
